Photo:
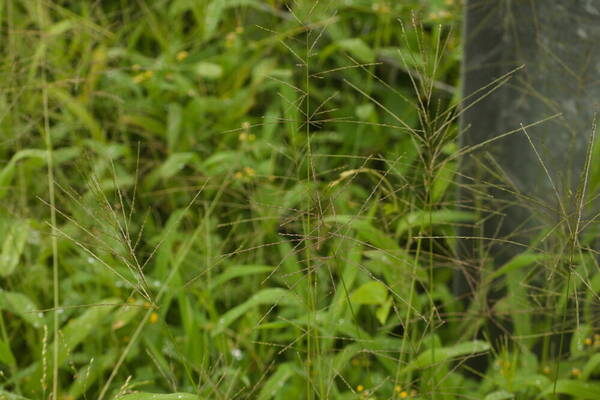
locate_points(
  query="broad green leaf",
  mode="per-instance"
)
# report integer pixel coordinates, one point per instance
(12, 248)
(76, 330)
(276, 382)
(431, 357)
(33, 156)
(577, 389)
(275, 296)
(577, 346)
(208, 70)
(519, 261)
(89, 373)
(145, 122)
(6, 355)
(174, 119)
(383, 311)
(4, 395)
(21, 305)
(172, 165)
(213, 17)
(373, 292)
(78, 109)
(236, 271)
(591, 366)
(500, 395)
(358, 49)
(123, 316)
(158, 396)
(420, 219)
(443, 178)
(366, 231)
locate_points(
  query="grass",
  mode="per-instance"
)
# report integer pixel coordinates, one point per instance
(258, 200)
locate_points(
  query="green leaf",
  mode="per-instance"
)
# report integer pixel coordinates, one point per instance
(172, 165)
(33, 156)
(591, 367)
(275, 296)
(4, 395)
(577, 346)
(236, 271)
(383, 311)
(21, 305)
(158, 396)
(373, 292)
(208, 70)
(174, 118)
(358, 49)
(519, 261)
(443, 178)
(578, 389)
(276, 382)
(76, 330)
(500, 395)
(12, 248)
(420, 219)
(431, 357)
(6, 355)
(366, 231)
(78, 110)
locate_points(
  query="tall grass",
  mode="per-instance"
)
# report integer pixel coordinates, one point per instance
(256, 200)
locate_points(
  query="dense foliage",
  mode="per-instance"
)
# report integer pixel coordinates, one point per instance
(255, 199)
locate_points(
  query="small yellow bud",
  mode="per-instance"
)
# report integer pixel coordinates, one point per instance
(153, 318)
(360, 388)
(546, 370)
(249, 171)
(397, 388)
(182, 55)
(588, 341)
(404, 394)
(576, 372)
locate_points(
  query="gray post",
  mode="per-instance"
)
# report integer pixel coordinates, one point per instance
(558, 44)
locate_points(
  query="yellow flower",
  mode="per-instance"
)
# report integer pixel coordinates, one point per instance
(153, 318)
(404, 394)
(182, 55)
(397, 388)
(588, 341)
(249, 172)
(144, 76)
(360, 388)
(547, 370)
(576, 372)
